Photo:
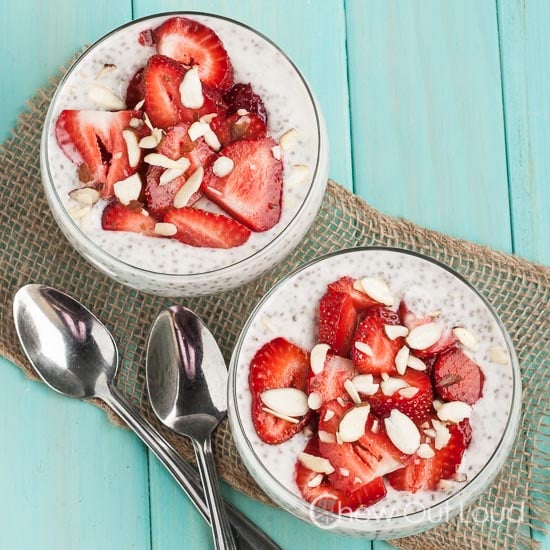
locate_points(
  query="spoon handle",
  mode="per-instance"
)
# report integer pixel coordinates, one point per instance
(248, 535)
(223, 537)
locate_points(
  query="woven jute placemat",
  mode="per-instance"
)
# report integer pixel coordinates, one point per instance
(34, 250)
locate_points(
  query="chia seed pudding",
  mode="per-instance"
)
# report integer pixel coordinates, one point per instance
(167, 266)
(290, 311)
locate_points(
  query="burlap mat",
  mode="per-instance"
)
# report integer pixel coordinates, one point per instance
(33, 250)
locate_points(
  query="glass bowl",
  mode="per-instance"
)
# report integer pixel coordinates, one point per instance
(289, 310)
(165, 266)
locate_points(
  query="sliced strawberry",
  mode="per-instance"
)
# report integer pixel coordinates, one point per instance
(458, 377)
(426, 473)
(136, 89)
(192, 43)
(389, 316)
(117, 217)
(277, 364)
(241, 96)
(162, 78)
(329, 383)
(326, 497)
(417, 408)
(94, 138)
(359, 463)
(206, 229)
(252, 191)
(361, 301)
(381, 357)
(235, 127)
(337, 321)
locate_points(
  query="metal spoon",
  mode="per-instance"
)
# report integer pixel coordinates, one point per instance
(74, 353)
(187, 383)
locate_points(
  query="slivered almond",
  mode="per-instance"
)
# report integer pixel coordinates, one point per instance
(191, 89)
(375, 426)
(165, 229)
(314, 401)
(352, 424)
(415, 363)
(402, 432)
(395, 331)
(363, 347)
(498, 355)
(442, 434)
(132, 146)
(364, 384)
(106, 98)
(315, 481)
(156, 159)
(212, 140)
(197, 129)
(392, 384)
(378, 290)
(317, 357)
(150, 141)
(409, 392)
(189, 188)
(328, 415)
(77, 213)
(147, 121)
(298, 175)
(287, 401)
(401, 359)
(85, 195)
(425, 451)
(454, 411)
(138, 106)
(424, 336)
(223, 166)
(281, 416)
(316, 463)
(430, 432)
(208, 118)
(352, 392)
(128, 190)
(170, 175)
(276, 152)
(466, 338)
(288, 140)
(326, 437)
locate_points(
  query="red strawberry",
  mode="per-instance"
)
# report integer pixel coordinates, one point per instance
(426, 473)
(235, 127)
(357, 464)
(417, 407)
(361, 301)
(457, 377)
(329, 383)
(162, 78)
(94, 138)
(383, 350)
(337, 321)
(192, 43)
(206, 229)
(389, 316)
(326, 497)
(241, 96)
(117, 217)
(277, 364)
(252, 191)
(136, 89)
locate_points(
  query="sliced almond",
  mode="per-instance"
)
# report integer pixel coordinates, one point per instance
(314, 400)
(189, 188)
(276, 152)
(392, 384)
(395, 331)
(401, 359)
(466, 338)
(191, 89)
(208, 118)
(298, 175)
(326, 437)
(344, 472)
(287, 401)
(375, 426)
(409, 392)
(445, 485)
(402, 432)
(442, 434)
(363, 347)
(165, 229)
(436, 403)
(415, 363)
(341, 402)
(315, 481)
(212, 140)
(156, 159)
(149, 142)
(378, 290)
(317, 357)
(352, 424)
(223, 166)
(364, 384)
(281, 416)
(430, 432)
(138, 106)
(128, 190)
(424, 336)
(197, 130)
(454, 411)
(316, 463)
(498, 355)
(78, 213)
(135, 122)
(425, 451)
(288, 140)
(385, 376)
(106, 98)
(85, 195)
(352, 392)
(170, 175)
(147, 121)
(425, 424)
(134, 154)
(328, 415)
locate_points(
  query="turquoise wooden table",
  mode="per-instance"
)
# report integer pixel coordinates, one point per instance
(437, 111)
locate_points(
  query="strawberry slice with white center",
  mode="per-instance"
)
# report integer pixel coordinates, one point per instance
(252, 191)
(117, 217)
(205, 229)
(372, 351)
(194, 44)
(94, 139)
(323, 495)
(277, 364)
(337, 321)
(356, 464)
(329, 383)
(426, 473)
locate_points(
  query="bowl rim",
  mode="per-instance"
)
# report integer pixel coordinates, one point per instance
(100, 252)
(349, 523)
